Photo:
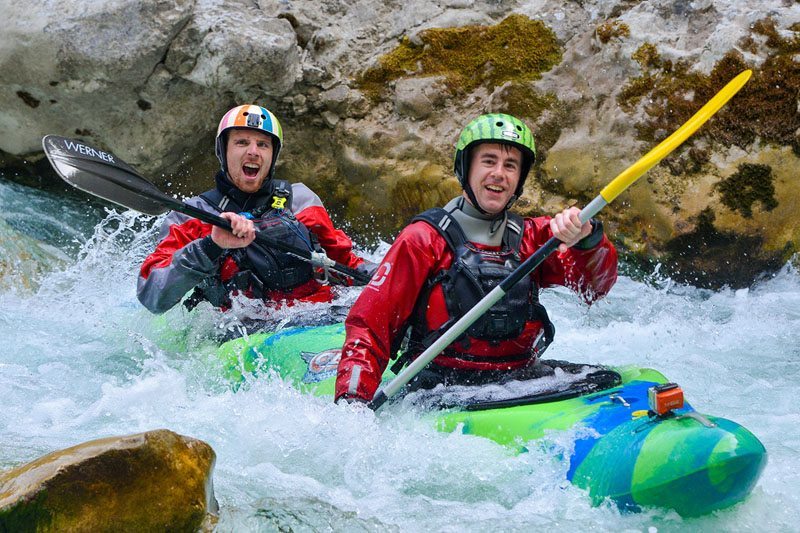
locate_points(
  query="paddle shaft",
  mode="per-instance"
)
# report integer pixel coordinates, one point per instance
(316, 259)
(624, 180)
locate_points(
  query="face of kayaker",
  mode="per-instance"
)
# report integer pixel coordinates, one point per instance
(494, 173)
(249, 156)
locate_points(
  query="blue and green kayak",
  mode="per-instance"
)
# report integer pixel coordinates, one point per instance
(685, 461)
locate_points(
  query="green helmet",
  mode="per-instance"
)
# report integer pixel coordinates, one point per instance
(494, 128)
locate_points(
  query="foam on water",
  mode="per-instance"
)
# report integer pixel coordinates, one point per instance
(84, 360)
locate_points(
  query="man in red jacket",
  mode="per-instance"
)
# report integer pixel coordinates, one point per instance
(448, 258)
(217, 263)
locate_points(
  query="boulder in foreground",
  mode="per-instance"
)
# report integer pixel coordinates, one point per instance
(152, 481)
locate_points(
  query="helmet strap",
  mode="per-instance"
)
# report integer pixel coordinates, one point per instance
(511, 202)
(481, 210)
(471, 195)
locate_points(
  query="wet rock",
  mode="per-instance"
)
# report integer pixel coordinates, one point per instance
(125, 74)
(344, 101)
(418, 97)
(23, 260)
(239, 48)
(153, 481)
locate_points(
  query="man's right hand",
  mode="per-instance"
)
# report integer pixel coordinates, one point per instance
(243, 232)
(351, 400)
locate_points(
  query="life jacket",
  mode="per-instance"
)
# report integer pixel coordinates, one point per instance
(260, 269)
(472, 275)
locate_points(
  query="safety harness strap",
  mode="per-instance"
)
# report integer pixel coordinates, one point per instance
(452, 232)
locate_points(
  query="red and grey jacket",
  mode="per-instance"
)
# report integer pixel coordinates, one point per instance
(186, 258)
(420, 253)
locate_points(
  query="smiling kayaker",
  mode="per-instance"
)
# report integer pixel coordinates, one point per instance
(217, 263)
(448, 258)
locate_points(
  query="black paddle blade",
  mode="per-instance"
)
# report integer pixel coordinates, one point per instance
(104, 175)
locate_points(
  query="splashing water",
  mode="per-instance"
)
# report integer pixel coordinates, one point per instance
(84, 360)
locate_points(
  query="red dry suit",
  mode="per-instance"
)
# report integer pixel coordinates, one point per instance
(420, 253)
(186, 258)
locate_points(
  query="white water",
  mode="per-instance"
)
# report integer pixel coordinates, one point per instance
(82, 360)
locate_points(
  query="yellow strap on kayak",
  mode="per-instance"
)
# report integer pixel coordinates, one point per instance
(635, 171)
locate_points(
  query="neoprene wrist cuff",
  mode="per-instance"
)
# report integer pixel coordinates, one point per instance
(350, 398)
(593, 239)
(212, 250)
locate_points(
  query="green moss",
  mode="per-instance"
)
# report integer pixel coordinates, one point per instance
(522, 100)
(765, 108)
(647, 56)
(610, 29)
(630, 95)
(28, 516)
(517, 48)
(748, 44)
(751, 184)
(766, 27)
(412, 195)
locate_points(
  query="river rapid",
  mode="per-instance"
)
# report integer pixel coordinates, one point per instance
(83, 360)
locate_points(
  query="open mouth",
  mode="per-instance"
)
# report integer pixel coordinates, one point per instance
(250, 170)
(494, 188)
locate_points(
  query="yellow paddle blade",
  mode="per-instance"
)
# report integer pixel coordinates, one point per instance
(635, 171)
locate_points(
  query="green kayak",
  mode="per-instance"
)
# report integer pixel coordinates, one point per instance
(685, 461)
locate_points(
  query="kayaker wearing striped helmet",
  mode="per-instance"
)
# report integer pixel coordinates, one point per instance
(217, 263)
(448, 258)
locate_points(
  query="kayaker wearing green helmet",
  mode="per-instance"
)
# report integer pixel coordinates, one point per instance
(448, 258)
(219, 264)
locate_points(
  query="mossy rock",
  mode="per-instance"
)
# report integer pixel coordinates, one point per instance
(752, 183)
(765, 108)
(518, 48)
(717, 212)
(153, 481)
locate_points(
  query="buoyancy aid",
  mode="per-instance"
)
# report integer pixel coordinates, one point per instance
(474, 272)
(258, 268)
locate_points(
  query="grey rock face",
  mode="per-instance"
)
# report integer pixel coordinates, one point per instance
(418, 97)
(147, 80)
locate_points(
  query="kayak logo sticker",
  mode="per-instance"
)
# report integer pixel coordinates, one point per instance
(380, 275)
(321, 365)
